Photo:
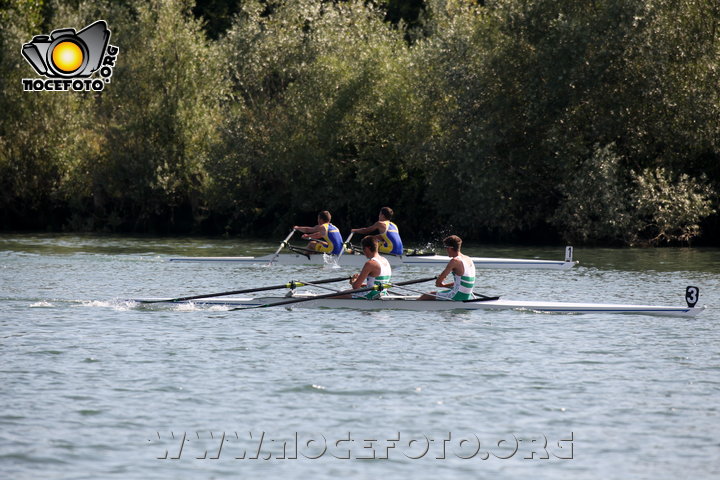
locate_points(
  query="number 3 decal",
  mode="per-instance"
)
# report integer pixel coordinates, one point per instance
(691, 296)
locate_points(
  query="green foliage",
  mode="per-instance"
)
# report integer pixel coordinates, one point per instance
(669, 209)
(587, 121)
(160, 117)
(217, 15)
(41, 134)
(528, 88)
(322, 107)
(652, 207)
(595, 204)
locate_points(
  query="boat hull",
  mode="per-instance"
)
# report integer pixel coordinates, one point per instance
(399, 302)
(396, 261)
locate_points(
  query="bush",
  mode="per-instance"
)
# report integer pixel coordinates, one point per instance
(669, 209)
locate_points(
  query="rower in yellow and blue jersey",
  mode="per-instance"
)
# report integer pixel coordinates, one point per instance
(324, 237)
(388, 236)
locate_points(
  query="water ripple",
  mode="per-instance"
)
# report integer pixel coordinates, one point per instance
(87, 377)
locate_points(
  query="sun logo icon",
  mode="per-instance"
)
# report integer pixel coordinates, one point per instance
(67, 57)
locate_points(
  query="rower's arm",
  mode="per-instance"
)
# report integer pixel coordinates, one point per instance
(302, 229)
(366, 270)
(448, 268)
(377, 226)
(310, 230)
(316, 235)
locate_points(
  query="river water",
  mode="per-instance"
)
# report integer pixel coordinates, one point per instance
(93, 387)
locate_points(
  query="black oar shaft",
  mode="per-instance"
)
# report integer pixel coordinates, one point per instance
(291, 284)
(410, 282)
(330, 295)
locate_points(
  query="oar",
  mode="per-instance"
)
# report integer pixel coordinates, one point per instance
(423, 293)
(347, 240)
(426, 293)
(309, 284)
(292, 284)
(480, 297)
(331, 295)
(336, 262)
(284, 242)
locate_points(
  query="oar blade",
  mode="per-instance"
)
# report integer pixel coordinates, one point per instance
(282, 244)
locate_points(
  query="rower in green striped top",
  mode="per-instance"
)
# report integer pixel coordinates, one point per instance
(463, 270)
(376, 271)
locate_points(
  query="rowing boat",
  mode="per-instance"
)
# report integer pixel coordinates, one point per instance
(406, 302)
(357, 260)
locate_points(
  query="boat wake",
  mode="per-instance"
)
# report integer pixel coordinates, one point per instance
(124, 305)
(116, 304)
(41, 305)
(193, 307)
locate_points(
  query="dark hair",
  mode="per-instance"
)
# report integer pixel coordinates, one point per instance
(370, 242)
(387, 212)
(324, 215)
(453, 241)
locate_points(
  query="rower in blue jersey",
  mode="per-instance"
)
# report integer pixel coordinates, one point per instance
(388, 236)
(324, 237)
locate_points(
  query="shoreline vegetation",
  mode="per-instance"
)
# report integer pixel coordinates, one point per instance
(591, 123)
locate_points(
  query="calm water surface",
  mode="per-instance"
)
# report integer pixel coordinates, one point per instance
(92, 387)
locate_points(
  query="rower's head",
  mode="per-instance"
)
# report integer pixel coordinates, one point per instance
(369, 245)
(453, 243)
(324, 217)
(386, 213)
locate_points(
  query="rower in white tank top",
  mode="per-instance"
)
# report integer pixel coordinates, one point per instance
(379, 281)
(375, 272)
(463, 270)
(463, 284)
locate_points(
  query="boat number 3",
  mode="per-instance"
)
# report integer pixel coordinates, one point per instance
(691, 296)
